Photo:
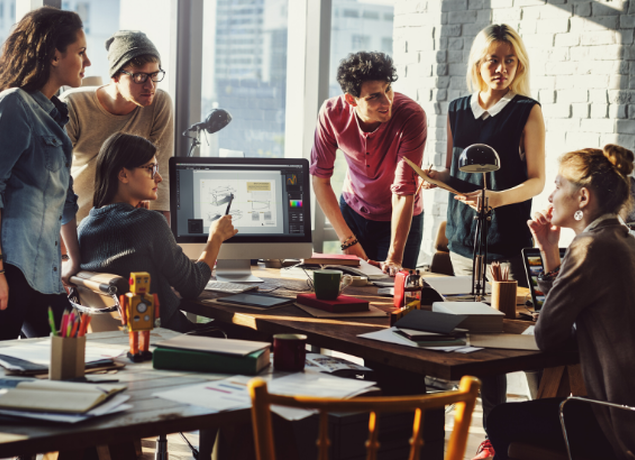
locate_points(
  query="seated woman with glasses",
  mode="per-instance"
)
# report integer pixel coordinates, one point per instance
(120, 237)
(131, 102)
(590, 300)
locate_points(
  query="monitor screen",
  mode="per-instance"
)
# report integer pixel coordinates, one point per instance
(268, 199)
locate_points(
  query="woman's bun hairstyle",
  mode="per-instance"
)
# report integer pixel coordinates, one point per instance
(605, 172)
(621, 158)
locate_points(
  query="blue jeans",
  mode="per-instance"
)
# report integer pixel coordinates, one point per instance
(374, 236)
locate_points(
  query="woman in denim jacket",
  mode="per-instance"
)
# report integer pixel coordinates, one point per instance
(46, 49)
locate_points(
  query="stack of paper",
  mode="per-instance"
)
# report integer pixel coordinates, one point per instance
(427, 328)
(59, 400)
(479, 317)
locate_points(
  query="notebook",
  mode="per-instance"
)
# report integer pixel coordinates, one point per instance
(533, 267)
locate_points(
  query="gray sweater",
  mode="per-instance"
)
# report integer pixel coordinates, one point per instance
(596, 290)
(120, 239)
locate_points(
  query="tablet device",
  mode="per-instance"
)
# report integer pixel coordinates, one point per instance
(533, 267)
(256, 300)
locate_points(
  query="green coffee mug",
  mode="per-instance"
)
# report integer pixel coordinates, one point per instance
(329, 283)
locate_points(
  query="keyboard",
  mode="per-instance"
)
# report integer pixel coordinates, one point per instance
(229, 288)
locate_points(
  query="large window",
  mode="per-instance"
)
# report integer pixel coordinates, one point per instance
(244, 72)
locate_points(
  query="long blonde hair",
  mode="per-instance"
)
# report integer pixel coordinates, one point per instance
(504, 34)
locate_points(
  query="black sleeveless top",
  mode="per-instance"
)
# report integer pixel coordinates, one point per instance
(508, 232)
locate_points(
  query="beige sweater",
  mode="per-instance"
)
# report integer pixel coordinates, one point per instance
(90, 125)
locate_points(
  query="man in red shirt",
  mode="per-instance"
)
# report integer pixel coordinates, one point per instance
(380, 213)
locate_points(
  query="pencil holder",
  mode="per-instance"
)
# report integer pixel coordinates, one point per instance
(504, 297)
(67, 357)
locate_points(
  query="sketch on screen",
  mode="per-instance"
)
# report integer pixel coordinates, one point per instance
(252, 205)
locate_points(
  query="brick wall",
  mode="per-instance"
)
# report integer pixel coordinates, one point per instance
(582, 63)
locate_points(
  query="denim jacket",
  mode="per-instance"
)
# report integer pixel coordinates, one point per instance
(36, 189)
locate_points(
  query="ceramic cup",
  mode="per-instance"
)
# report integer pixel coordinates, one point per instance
(289, 352)
(330, 283)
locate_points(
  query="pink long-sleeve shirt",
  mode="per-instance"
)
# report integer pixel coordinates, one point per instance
(375, 169)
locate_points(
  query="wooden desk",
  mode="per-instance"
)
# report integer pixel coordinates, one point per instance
(341, 335)
(151, 416)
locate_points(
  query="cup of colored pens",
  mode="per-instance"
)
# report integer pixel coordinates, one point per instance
(68, 345)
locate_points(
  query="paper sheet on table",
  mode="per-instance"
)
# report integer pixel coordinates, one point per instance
(450, 285)
(389, 335)
(372, 312)
(506, 341)
(40, 353)
(232, 393)
(112, 406)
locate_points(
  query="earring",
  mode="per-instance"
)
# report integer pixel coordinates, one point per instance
(577, 215)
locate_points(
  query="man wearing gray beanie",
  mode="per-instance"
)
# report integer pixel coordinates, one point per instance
(130, 103)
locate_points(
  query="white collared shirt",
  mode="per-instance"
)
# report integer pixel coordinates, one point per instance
(480, 112)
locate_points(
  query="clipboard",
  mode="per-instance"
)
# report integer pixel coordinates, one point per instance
(427, 178)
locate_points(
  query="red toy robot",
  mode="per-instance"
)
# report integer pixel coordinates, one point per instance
(139, 313)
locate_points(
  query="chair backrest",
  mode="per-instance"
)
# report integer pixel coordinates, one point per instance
(98, 294)
(464, 398)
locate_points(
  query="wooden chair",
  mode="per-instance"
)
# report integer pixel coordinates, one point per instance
(464, 398)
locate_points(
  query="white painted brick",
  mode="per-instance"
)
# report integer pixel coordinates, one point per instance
(456, 57)
(627, 140)
(544, 41)
(598, 125)
(611, 138)
(506, 14)
(596, 24)
(618, 82)
(455, 94)
(577, 141)
(579, 53)
(462, 17)
(547, 96)
(454, 5)
(563, 125)
(627, 22)
(630, 109)
(552, 26)
(582, 10)
(621, 97)
(456, 69)
(498, 4)
(525, 28)
(605, 37)
(582, 81)
(580, 110)
(560, 68)
(562, 11)
(568, 96)
(458, 83)
(522, 3)
(557, 110)
(530, 13)
(618, 111)
(451, 31)
(543, 81)
(470, 30)
(625, 126)
(568, 39)
(455, 43)
(440, 95)
(598, 96)
(599, 9)
(476, 4)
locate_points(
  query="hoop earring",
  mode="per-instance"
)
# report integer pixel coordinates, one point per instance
(577, 215)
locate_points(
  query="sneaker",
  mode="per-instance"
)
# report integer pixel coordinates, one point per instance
(484, 451)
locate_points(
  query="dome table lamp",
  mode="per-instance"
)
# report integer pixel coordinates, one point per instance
(480, 158)
(215, 121)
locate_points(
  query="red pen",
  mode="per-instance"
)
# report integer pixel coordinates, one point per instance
(82, 325)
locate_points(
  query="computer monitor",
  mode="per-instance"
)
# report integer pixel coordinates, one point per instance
(270, 208)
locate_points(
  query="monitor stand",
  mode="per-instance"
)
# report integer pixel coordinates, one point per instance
(235, 271)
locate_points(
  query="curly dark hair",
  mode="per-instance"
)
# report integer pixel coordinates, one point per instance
(364, 66)
(28, 51)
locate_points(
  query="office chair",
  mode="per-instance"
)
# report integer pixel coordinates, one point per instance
(464, 398)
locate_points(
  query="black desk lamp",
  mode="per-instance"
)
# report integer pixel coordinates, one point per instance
(480, 158)
(215, 121)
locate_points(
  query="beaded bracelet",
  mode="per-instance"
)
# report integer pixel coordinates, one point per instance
(351, 244)
(2, 271)
(550, 275)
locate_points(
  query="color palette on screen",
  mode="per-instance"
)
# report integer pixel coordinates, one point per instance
(295, 203)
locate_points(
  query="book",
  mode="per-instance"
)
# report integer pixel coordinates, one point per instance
(430, 321)
(343, 303)
(479, 317)
(203, 361)
(260, 301)
(445, 341)
(210, 354)
(57, 396)
(332, 259)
